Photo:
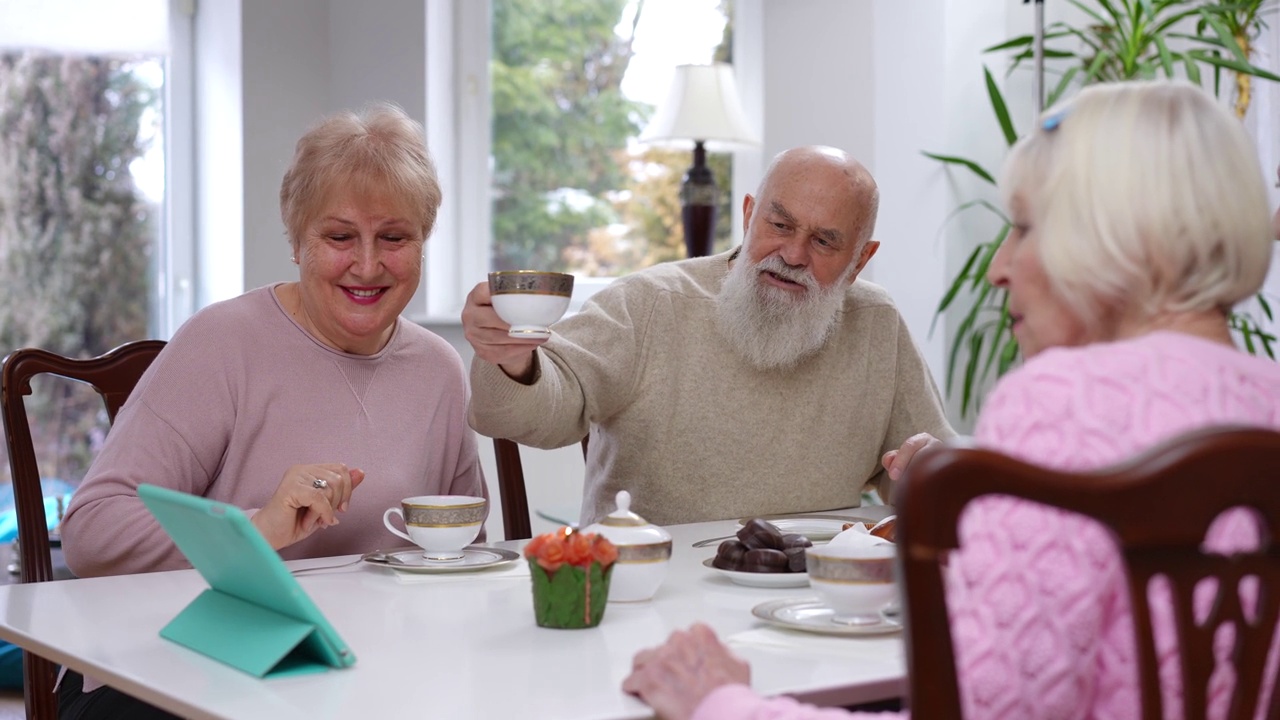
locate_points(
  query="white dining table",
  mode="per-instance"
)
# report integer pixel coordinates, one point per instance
(457, 646)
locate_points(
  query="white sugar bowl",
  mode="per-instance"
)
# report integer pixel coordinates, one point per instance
(644, 552)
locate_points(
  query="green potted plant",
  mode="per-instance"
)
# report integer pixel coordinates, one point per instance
(1203, 42)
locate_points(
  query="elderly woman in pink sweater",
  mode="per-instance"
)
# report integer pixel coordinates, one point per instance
(312, 404)
(1139, 220)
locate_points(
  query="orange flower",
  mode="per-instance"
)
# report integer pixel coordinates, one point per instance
(553, 549)
(551, 555)
(578, 549)
(603, 551)
(531, 550)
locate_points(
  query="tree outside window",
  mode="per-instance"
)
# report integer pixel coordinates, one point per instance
(77, 234)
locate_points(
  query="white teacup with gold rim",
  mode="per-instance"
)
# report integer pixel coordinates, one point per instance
(855, 580)
(530, 300)
(644, 552)
(442, 525)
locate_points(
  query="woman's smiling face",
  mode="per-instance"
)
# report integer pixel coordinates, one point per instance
(360, 261)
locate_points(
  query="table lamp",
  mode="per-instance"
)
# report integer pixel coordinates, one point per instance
(702, 106)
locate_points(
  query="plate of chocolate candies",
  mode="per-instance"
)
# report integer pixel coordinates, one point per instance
(762, 556)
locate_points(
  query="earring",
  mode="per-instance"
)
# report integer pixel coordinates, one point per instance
(293, 259)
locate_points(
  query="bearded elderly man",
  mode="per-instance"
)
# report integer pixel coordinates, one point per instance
(763, 380)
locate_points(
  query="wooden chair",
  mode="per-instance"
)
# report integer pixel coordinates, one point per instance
(1158, 507)
(515, 501)
(113, 375)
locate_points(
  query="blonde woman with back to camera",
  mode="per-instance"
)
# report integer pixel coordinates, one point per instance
(1140, 219)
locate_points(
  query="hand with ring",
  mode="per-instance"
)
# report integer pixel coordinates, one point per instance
(308, 499)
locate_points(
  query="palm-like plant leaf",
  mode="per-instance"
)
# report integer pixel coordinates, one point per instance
(999, 107)
(972, 166)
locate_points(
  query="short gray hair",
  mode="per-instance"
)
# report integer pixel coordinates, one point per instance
(379, 149)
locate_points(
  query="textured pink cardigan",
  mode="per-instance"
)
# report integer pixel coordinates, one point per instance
(1039, 610)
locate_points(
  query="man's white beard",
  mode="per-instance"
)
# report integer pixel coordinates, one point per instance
(772, 328)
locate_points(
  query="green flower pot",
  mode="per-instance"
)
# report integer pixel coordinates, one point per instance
(570, 597)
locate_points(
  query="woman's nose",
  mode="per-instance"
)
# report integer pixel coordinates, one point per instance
(368, 256)
(998, 270)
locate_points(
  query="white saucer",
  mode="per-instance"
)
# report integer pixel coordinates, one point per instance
(814, 527)
(764, 580)
(810, 615)
(473, 558)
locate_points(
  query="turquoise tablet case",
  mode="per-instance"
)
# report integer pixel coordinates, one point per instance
(254, 616)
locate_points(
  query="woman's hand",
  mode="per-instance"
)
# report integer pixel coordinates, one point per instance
(675, 677)
(488, 336)
(309, 498)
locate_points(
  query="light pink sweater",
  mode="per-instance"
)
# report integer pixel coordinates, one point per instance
(1039, 611)
(242, 393)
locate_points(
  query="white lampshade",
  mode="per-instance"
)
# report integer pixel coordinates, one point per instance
(701, 105)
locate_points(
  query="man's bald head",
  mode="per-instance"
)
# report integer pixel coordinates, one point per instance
(832, 166)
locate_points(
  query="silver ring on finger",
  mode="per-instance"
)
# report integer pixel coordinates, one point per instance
(320, 484)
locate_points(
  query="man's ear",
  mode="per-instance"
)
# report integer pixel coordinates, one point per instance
(869, 249)
(748, 206)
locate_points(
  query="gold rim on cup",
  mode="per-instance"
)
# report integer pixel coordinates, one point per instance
(444, 515)
(530, 282)
(842, 570)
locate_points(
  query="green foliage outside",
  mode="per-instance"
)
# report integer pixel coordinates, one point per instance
(567, 195)
(75, 234)
(1208, 43)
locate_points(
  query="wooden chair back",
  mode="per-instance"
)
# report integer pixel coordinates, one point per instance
(516, 521)
(1158, 507)
(113, 375)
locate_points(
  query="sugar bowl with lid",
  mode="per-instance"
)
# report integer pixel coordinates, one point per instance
(644, 552)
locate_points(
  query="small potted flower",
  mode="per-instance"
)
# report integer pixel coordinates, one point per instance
(571, 573)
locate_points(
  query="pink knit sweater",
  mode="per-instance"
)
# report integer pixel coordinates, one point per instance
(1040, 615)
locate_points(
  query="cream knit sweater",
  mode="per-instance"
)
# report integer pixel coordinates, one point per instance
(681, 421)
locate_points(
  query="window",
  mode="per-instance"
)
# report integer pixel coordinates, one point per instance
(549, 99)
(572, 85)
(89, 205)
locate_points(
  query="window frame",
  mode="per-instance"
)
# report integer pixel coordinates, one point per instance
(174, 296)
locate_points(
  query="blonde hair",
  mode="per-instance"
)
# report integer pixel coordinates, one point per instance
(1146, 196)
(378, 151)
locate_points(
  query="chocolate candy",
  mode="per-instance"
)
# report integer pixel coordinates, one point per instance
(765, 560)
(729, 555)
(761, 547)
(791, 540)
(796, 558)
(757, 534)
